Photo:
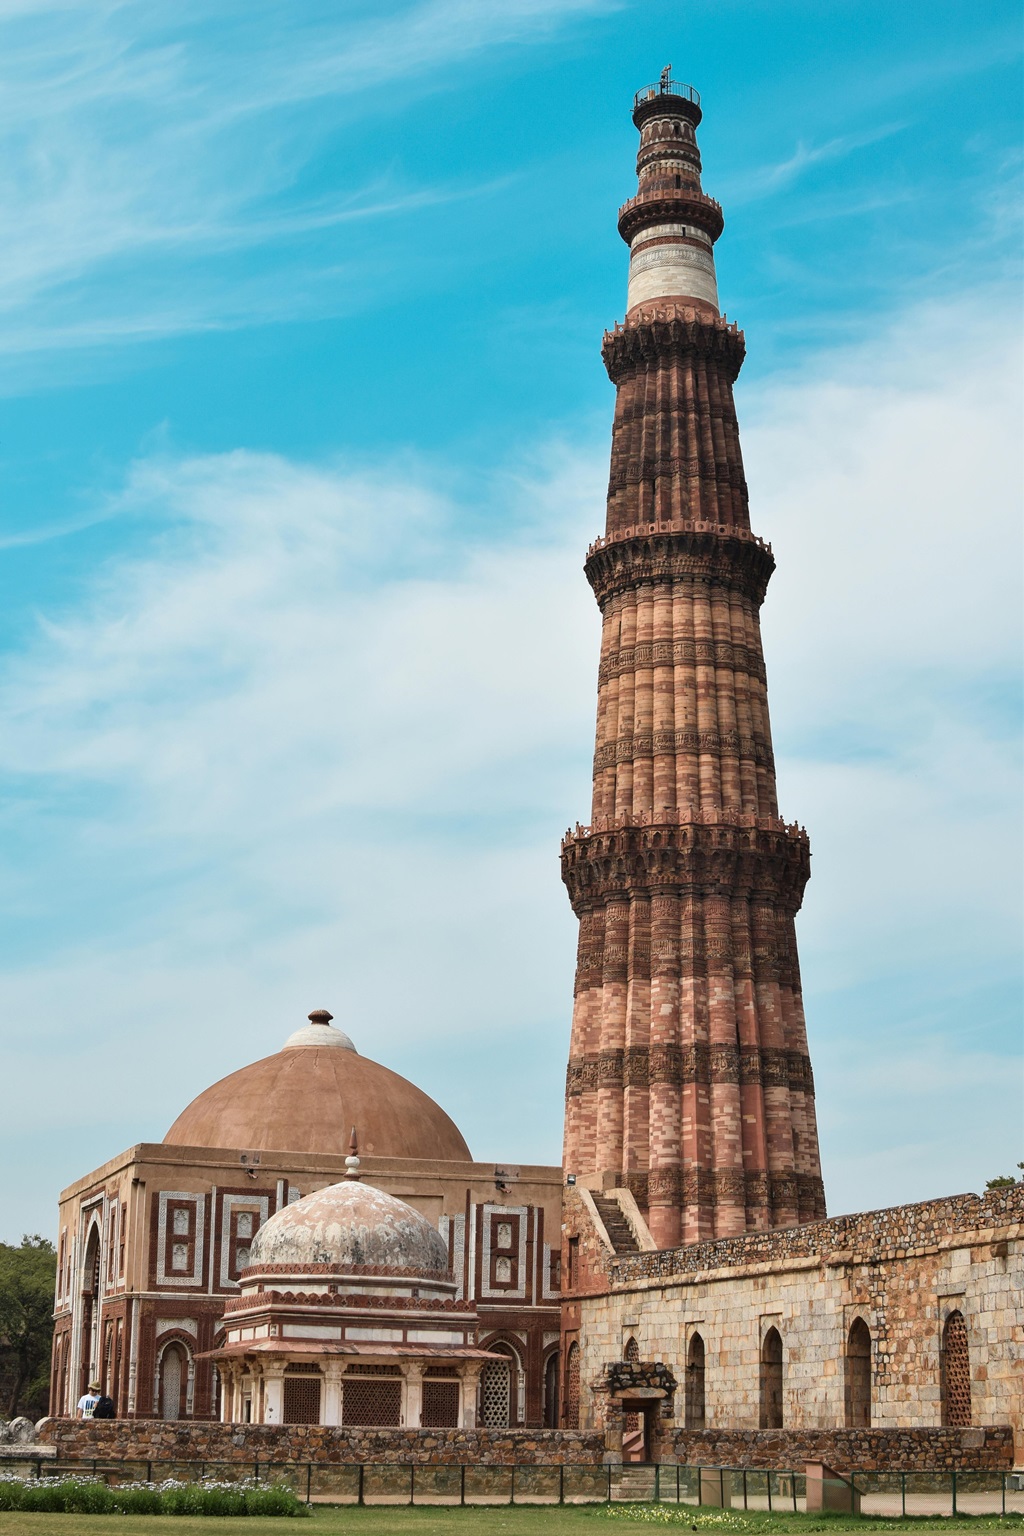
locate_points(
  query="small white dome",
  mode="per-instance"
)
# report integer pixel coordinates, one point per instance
(350, 1226)
(319, 1032)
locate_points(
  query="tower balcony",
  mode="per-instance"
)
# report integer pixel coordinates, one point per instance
(678, 205)
(666, 96)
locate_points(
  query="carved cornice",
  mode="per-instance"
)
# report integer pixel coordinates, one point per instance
(688, 857)
(720, 556)
(658, 333)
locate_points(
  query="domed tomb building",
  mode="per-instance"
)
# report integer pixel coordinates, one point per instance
(153, 1246)
(348, 1314)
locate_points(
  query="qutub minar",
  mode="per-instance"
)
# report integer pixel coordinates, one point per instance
(675, 1288)
(689, 1079)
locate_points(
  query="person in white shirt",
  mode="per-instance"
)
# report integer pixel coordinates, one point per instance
(87, 1402)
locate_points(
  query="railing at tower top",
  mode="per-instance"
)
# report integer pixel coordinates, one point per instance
(666, 88)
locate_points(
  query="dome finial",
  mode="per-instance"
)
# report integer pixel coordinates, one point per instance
(320, 1016)
(352, 1161)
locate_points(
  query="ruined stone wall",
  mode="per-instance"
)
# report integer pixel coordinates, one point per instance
(902, 1271)
(845, 1450)
(156, 1440)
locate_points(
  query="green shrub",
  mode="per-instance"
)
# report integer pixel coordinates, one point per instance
(89, 1496)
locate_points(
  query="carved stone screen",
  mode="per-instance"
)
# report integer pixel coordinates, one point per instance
(302, 1400)
(440, 1405)
(370, 1400)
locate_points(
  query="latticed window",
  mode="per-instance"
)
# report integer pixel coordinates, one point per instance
(572, 1388)
(956, 1372)
(632, 1422)
(371, 1400)
(495, 1394)
(440, 1405)
(302, 1399)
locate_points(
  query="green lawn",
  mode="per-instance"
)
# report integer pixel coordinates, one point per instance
(619, 1521)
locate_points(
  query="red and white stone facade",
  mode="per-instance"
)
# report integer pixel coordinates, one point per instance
(152, 1245)
(689, 1082)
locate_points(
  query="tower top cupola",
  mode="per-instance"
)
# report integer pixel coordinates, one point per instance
(671, 224)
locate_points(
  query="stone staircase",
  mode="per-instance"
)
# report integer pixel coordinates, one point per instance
(618, 1228)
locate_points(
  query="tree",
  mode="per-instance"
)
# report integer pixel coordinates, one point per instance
(1003, 1180)
(27, 1276)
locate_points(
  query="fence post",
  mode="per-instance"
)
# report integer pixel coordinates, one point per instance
(462, 1485)
(609, 1498)
(39, 1473)
(954, 1493)
(657, 1482)
(412, 1482)
(677, 1482)
(768, 1480)
(792, 1483)
(149, 1471)
(255, 1471)
(744, 1487)
(309, 1481)
(561, 1485)
(1002, 1479)
(512, 1489)
(903, 1495)
(360, 1497)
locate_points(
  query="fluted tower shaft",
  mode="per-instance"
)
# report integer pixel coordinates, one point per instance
(689, 1080)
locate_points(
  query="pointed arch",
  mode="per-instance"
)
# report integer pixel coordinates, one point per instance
(772, 1378)
(694, 1390)
(90, 1291)
(551, 1393)
(631, 1353)
(857, 1386)
(955, 1361)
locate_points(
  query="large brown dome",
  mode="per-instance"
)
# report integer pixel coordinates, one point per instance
(308, 1097)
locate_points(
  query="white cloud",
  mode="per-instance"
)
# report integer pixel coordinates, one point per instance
(315, 745)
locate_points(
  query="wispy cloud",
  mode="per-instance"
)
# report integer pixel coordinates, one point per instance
(130, 131)
(763, 181)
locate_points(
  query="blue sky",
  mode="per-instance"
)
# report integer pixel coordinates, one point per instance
(304, 433)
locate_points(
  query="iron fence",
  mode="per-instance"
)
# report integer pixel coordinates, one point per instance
(879, 1493)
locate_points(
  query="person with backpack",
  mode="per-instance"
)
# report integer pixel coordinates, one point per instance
(104, 1408)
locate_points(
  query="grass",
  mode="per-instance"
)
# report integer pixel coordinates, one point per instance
(537, 1521)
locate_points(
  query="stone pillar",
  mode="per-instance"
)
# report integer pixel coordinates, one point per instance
(470, 1376)
(333, 1373)
(272, 1395)
(413, 1394)
(227, 1391)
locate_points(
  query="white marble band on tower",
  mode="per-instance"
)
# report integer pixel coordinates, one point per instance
(664, 266)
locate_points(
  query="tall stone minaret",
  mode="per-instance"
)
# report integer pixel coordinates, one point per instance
(689, 1080)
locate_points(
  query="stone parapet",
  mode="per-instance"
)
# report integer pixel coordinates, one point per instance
(896, 1233)
(847, 1450)
(157, 1440)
